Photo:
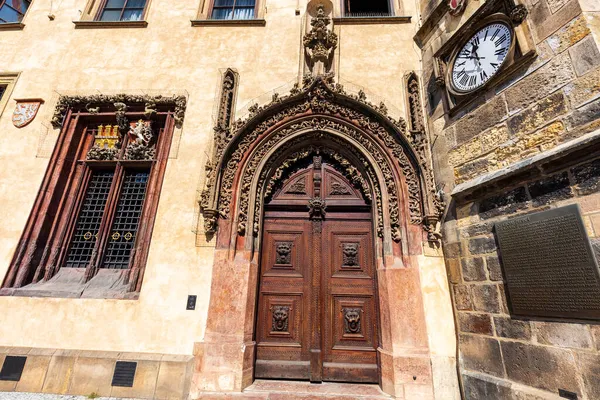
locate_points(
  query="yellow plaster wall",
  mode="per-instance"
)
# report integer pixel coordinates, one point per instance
(169, 56)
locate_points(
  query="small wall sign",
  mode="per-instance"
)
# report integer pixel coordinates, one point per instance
(191, 302)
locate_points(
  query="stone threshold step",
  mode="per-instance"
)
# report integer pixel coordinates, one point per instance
(299, 390)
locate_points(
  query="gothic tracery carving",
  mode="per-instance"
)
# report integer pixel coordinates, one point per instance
(320, 95)
(298, 187)
(419, 141)
(337, 188)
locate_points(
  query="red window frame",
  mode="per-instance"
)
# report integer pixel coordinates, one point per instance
(47, 236)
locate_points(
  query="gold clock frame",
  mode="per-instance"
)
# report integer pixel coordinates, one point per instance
(492, 19)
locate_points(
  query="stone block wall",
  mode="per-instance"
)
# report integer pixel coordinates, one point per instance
(90, 373)
(498, 351)
(554, 100)
(551, 102)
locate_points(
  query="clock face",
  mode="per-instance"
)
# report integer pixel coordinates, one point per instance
(481, 57)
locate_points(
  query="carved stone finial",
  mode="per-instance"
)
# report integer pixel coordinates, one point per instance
(320, 43)
(518, 14)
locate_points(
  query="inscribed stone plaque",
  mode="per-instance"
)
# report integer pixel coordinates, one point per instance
(549, 265)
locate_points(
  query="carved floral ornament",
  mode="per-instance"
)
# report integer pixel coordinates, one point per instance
(320, 106)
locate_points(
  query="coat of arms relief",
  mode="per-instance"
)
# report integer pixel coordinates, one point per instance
(25, 111)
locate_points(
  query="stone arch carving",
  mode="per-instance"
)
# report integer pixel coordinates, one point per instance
(320, 105)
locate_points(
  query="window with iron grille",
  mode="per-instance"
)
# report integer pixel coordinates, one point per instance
(106, 227)
(93, 212)
(13, 10)
(90, 217)
(122, 10)
(233, 9)
(127, 218)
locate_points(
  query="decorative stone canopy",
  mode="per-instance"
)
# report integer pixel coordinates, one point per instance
(118, 104)
(320, 108)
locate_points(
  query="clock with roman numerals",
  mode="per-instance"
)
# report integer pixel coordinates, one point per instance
(478, 60)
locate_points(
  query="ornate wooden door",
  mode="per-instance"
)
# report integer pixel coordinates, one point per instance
(317, 310)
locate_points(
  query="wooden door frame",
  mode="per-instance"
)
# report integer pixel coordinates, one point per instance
(322, 293)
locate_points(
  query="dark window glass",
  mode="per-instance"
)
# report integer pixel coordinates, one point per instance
(123, 10)
(127, 218)
(367, 8)
(13, 10)
(90, 217)
(2, 90)
(233, 9)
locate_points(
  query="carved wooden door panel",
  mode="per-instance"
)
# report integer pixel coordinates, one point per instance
(317, 309)
(283, 305)
(348, 288)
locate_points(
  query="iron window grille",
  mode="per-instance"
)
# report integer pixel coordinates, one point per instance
(233, 9)
(122, 10)
(12, 11)
(113, 197)
(126, 221)
(88, 223)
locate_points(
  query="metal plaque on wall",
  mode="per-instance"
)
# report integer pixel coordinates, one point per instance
(549, 265)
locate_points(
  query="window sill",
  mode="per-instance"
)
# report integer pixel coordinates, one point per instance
(11, 26)
(228, 22)
(109, 24)
(371, 20)
(69, 283)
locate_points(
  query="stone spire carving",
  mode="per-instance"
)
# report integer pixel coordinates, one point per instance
(320, 44)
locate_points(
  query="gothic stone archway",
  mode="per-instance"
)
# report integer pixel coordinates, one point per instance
(394, 167)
